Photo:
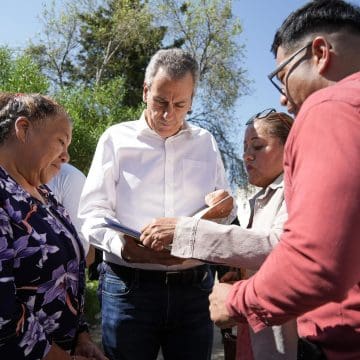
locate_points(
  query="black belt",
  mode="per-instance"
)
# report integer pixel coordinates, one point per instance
(188, 276)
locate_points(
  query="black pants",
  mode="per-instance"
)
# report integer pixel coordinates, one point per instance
(308, 350)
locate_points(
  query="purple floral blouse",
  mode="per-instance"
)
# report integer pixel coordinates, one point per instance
(41, 276)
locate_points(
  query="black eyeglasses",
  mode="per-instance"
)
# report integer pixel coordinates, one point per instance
(260, 115)
(272, 76)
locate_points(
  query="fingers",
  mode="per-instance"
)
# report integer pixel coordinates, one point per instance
(220, 209)
(146, 236)
(159, 234)
(157, 244)
(215, 196)
(148, 240)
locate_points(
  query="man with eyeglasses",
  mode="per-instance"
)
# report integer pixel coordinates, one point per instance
(314, 272)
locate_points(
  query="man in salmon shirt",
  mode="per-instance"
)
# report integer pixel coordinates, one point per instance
(314, 272)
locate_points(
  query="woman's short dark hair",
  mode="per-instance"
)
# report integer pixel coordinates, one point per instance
(277, 124)
(316, 16)
(35, 107)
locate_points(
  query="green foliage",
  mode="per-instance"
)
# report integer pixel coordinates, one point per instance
(96, 51)
(209, 31)
(118, 38)
(92, 306)
(57, 42)
(5, 66)
(94, 109)
(20, 74)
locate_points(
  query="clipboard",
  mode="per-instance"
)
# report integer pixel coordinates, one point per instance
(115, 225)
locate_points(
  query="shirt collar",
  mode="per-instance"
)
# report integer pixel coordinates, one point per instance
(278, 183)
(145, 129)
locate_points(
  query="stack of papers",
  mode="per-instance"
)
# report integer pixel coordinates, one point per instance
(115, 225)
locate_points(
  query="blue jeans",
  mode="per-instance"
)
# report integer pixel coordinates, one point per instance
(141, 314)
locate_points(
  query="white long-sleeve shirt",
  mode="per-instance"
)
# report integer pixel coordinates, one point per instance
(136, 176)
(67, 186)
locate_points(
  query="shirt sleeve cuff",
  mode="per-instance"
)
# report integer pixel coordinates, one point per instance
(238, 310)
(184, 237)
(116, 241)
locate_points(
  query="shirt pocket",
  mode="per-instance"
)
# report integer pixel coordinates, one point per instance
(197, 177)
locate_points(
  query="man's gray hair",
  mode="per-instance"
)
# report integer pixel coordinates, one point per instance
(176, 62)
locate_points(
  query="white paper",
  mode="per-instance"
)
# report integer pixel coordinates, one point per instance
(115, 225)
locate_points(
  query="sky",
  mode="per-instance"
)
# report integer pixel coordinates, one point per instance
(259, 18)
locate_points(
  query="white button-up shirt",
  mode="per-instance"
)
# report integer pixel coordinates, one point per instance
(67, 186)
(136, 176)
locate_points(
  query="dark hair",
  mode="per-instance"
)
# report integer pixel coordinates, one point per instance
(278, 124)
(35, 107)
(316, 16)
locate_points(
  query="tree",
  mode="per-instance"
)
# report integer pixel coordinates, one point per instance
(92, 110)
(58, 42)
(118, 39)
(20, 74)
(208, 30)
(88, 90)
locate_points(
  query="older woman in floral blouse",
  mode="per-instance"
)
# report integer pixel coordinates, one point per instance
(41, 257)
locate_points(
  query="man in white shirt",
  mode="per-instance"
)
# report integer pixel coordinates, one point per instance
(156, 166)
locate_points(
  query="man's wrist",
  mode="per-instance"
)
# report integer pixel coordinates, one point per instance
(234, 313)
